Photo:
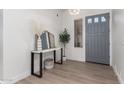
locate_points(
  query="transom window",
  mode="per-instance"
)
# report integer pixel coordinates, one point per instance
(103, 19)
(89, 20)
(96, 20)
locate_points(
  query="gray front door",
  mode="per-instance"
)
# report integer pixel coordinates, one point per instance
(97, 38)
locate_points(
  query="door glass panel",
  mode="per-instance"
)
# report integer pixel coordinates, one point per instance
(89, 20)
(103, 19)
(96, 20)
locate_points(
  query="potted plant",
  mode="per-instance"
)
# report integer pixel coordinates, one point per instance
(64, 38)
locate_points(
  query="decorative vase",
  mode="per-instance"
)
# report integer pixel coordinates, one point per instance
(39, 44)
(36, 38)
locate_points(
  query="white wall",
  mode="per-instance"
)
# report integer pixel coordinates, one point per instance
(68, 22)
(1, 43)
(19, 38)
(118, 43)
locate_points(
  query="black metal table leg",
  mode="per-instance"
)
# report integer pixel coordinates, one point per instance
(32, 63)
(54, 54)
(32, 66)
(61, 55)
(61, 62)
(41, 72)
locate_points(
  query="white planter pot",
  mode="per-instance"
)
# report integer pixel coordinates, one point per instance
(64, 58)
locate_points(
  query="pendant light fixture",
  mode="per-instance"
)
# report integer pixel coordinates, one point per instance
(74, 11)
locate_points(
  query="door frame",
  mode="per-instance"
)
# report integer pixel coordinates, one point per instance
(110, 35)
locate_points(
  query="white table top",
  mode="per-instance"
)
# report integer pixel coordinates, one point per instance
(46, 50)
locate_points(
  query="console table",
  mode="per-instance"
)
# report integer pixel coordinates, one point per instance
(41, 59)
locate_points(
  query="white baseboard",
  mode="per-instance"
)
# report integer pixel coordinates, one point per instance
(75, 60)
(2, 82)
(118, 75)
(16, 79)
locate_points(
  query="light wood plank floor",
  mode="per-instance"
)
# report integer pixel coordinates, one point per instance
(75, 73)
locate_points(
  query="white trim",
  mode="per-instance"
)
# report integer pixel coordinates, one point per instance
(110, 37)
(16, 79)
(2, 82)
(75, 60)
(121, 81)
